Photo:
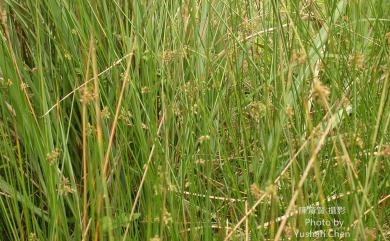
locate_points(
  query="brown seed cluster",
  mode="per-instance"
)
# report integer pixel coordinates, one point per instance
(385, 151)
(320, 92)
(248, 26)
(24, 86)
(5, 83)
(64, 187)
(53, 156)
(91, 130)
(204, 138)
(357, 60)
(145, 90)
(105, 113)
(371, 234)
(32, 237)
(388, 37)
(290, 112)
(87, 95)
(127, 117)
(155, 238)
(255, 190)
(256, 110)
(299, 57)
(200, 162)
(167, 218)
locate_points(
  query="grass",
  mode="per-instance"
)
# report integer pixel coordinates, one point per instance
(194, 120)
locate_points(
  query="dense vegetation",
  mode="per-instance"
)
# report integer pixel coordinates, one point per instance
(194, 120)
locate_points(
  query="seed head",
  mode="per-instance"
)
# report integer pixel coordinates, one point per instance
(271, 189)
(359, 142)
(144, 126)
(52, 157)
(105, 113)
(299, 57)
(290, 112)
(371, 234)
(87, 95)
(167, 56)
(33, 237)
(90, 129)
(167, 218)
(357, 60)
(200, 162)
(145, 90)
(202, 139)
(24, 86)
(256, 110)
(385, 151)
(155, 238)
(388, 37)
(126, 116)
(255, 190)
(64, 186)
(320, 91)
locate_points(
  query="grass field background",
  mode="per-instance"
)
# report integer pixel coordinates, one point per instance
(194, 120)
